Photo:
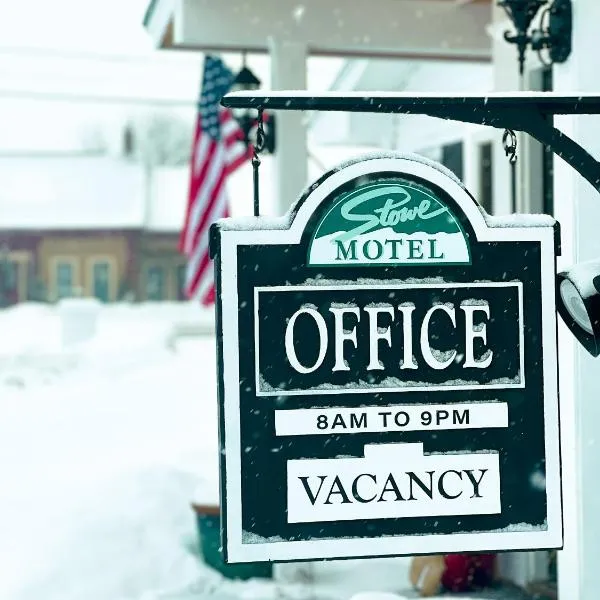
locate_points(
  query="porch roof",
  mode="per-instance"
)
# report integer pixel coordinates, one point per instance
(416, 29)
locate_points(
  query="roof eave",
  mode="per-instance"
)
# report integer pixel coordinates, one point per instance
(158, 21)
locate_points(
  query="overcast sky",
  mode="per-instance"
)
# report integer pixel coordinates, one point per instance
(41, 42)
(86, 25)
(109, 27)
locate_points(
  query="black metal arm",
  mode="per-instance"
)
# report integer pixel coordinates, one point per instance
(531, 113)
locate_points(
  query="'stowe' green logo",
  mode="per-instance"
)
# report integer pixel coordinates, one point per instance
(388, 222)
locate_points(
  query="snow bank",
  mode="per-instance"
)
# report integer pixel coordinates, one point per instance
(32, 328)
(33, 353)
(104, 447)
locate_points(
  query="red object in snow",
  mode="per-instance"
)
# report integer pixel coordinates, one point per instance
(467, 571)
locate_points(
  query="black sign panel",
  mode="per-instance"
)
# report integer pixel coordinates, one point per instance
(410, 336)
(387, 372)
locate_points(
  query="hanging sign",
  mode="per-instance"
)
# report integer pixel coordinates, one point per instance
(387, 372)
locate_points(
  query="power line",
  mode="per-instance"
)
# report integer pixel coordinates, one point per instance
(94, 98)
(144, 57)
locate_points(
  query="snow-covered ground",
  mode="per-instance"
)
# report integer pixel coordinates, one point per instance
(101, 449)
(103, 445)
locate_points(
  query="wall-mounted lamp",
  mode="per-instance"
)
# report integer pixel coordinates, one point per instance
(578, 303)
(247, 81)
(553, 35)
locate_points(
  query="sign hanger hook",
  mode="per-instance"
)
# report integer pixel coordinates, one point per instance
(258, 147)
(509, 142)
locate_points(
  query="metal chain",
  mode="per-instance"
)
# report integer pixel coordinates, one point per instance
(259, 145)
(509, 142)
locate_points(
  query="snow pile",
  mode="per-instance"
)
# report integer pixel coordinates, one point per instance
(34, 350)
(29, 328)
(103, 447)
(105, 444)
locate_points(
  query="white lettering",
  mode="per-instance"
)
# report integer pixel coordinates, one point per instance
(342, 336)
(290, 350)
(430, 359)
(375, 335)
(408, 361)
(471, 334)
(346, 327)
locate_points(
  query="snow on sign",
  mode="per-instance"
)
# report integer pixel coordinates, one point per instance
(387, 372)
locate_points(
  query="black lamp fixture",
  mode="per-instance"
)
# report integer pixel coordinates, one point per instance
(247, 81)
(553, 34)
(578, 303)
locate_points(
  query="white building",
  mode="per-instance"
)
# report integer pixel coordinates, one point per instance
(468, 37)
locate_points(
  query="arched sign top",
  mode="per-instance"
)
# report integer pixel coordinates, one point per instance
(388, 221)
(409, 174)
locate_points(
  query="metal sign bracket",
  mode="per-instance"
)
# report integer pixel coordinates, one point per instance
(531, 113)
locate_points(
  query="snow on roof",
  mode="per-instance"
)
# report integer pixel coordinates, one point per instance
(99, 192)
(74, 192)
(166, 211)
(169, 198)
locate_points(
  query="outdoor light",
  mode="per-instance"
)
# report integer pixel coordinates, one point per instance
(579, 303)
(554, 33)
(247, 81)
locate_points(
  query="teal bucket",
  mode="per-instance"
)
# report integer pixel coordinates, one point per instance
(209, 534)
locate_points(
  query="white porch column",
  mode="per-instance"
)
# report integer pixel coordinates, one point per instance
(520, 567)
(577, 207)
(288, 71)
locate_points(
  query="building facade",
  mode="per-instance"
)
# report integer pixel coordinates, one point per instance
(90, 226)
(108, 265)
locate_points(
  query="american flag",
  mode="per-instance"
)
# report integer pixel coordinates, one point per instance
(218, 149)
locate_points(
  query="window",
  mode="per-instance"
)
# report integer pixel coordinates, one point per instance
(101, 280)
(452, 158)
(8, 282)
(485, 176)
(15, 267)
(155, 283)
(101, 277)
(63, 279)
(11, 276)
(180, 278)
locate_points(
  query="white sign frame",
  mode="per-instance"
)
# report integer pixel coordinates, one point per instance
(486, 229)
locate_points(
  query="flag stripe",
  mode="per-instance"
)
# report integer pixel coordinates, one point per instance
(218, 149)
(201, 248)
(211, 171)
(209, 199)
(208, 150)
(204, 291)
